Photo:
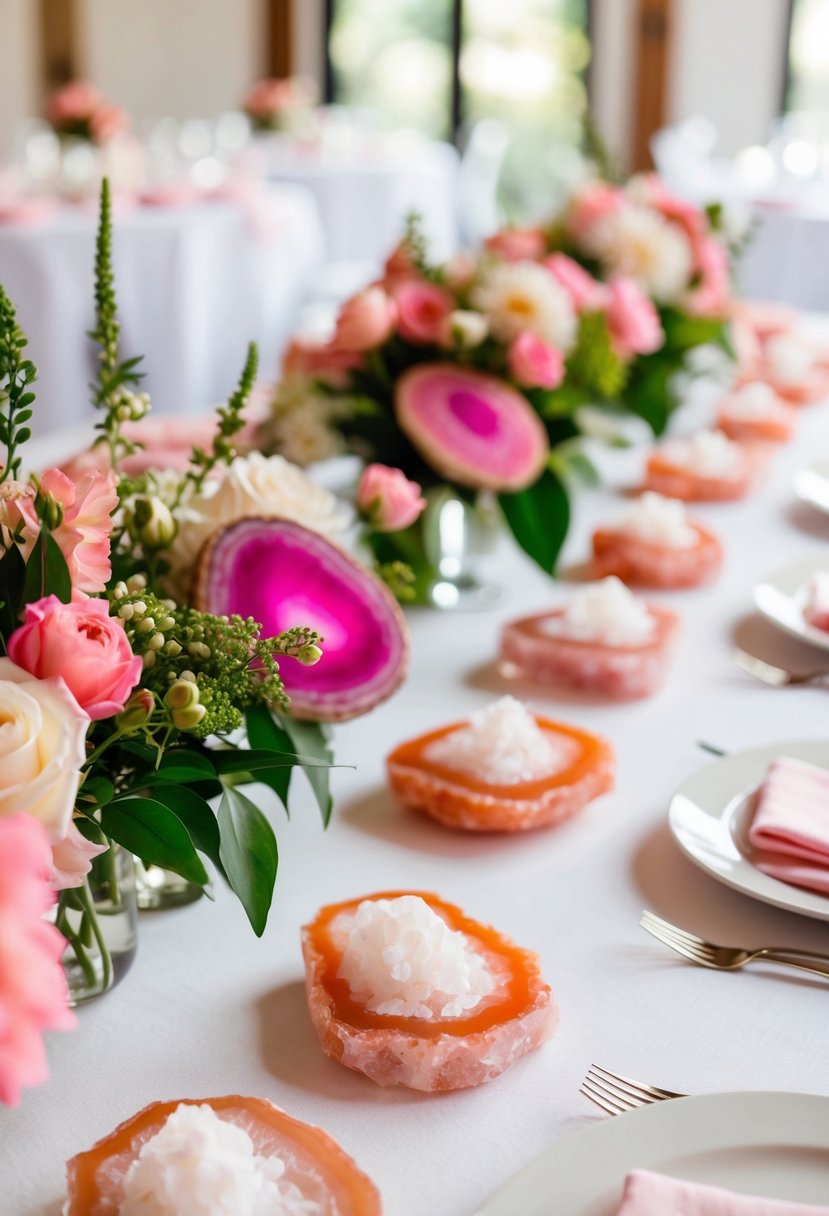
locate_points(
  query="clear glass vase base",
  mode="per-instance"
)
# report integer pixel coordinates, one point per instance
(158, 889)
(467, 595)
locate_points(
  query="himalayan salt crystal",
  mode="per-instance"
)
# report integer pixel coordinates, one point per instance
(707, 453)
(754, 401)
(816, 602)
(607, 612)
(790, 359)
(658, 520)
(501, 745)
(205, 1166)
(401, 958)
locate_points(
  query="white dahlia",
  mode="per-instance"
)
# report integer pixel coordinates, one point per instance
(643, 245)
(519, 296)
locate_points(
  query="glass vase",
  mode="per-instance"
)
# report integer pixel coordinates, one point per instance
(100, 923)
(157, 888)
(449, 541)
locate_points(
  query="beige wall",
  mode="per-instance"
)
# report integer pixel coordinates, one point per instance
(176, 58)
(19, 81)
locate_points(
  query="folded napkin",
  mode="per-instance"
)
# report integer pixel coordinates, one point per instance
(790, 830)
(653, 1195)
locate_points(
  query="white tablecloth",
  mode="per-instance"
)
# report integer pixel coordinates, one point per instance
(364, 202)
(207, 1009)
(194, 285)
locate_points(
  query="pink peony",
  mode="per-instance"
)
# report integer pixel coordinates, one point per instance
(517, 244)
(534, 363)
(422, 309)
(585, 292)
(632, 320)
(365, 322)
(81, 644)
(72, 859)
(321, 361)
(33, 994)
(388, 499)
(593, 206)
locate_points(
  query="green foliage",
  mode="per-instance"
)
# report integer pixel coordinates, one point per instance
(593, 367)
(16, 375)
(230, 423)
(538, 518)
(154, 833)
(248, 854)
(46, 572)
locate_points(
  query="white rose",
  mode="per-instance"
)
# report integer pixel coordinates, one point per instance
(252, 485)
(42, 748)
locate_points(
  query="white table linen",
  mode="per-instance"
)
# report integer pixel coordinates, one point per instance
(194, 285)
(363, 200)
(207, 1009)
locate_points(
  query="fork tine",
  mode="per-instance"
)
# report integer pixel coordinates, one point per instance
(628, 1099)
(687, 949)
(627, 1084)
(611, 1106)
(664, 930)
(652, 918)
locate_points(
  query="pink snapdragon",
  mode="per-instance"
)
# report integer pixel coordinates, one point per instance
(422, 309)
(533, 363)
(365, 322)
(33, 993)
(632, 320)
(387, 499)
(81, 644)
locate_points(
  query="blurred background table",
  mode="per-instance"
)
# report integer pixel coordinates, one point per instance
(195, 284)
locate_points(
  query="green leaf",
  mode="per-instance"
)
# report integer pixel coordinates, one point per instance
(184, 767)
(197, 816)
(154, 833)
(46, 571)
(98, 790)
(249, 855)
(12, 578)
(538, 518)
(311, 739)
(265, 734)
(244, 760)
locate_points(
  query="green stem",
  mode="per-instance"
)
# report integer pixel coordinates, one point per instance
(101, 748)
(112, 867)
(85, 900)
(74, 937)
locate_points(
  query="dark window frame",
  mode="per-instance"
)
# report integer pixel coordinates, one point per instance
(456, 114)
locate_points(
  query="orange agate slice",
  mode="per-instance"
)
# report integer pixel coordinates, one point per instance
(436, 1052)
(314, 1162)
(459, 799)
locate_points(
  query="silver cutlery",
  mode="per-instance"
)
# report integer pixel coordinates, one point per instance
(730, 958)
(776, 677)
(616, 1094)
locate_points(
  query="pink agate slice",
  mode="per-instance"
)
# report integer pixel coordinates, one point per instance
(472, 428)
(284, 575)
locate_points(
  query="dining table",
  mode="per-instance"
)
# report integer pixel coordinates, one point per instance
(209, 1009)
(197, 280)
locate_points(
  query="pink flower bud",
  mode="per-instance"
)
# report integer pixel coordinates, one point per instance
(632, 320)
(387, 499)
(533, 363)
(365, 322)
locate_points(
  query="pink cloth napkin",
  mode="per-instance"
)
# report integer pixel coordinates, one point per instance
(790, 830)
(648, 1194)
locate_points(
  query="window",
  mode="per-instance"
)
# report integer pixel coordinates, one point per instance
(807, 82)
(442, 65)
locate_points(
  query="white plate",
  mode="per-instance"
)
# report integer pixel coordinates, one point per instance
(781, 599)
(811, 485)
(771, 1144)
(709, 817)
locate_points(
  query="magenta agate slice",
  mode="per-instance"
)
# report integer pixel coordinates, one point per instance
(472, 428)
(284, 575)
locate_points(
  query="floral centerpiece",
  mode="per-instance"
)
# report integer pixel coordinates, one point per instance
(473, 374)
(128, 711)
(279, 104)
(80, 111)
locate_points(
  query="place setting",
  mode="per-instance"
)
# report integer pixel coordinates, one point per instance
(414, 785)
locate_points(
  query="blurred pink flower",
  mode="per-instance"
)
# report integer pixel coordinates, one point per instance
(632, 320)
(33, 994)
(533, 363)
(81, 644)
(398, 267)
(676, 209)
(711, 296)
(106, 122)
(517, 244)
(72, 859)
(75, 102)
(387, 499)
(321, 361)
(422, 309)
(365, 322)
(591, 207)
(585, 292)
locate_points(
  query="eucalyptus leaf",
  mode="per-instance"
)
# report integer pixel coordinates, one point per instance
(249, 855)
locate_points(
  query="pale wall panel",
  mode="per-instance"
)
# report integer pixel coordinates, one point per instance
(19, 78)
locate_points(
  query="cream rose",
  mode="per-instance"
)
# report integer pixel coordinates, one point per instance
(42, 748)
(252, 485)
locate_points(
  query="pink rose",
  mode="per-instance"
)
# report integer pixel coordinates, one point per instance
(533, 363)
(75, 102)
(33, 994)
(365, 322)
(591, 207)
(632, 320)
(72, 859)
(585, 292)
(517, 244)
(84, 646)
(422, 309)
(388, 499)
(320, 361)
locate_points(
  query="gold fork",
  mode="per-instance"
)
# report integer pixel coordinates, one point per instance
(730, 958)
(615, 1094)
(777, 677)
